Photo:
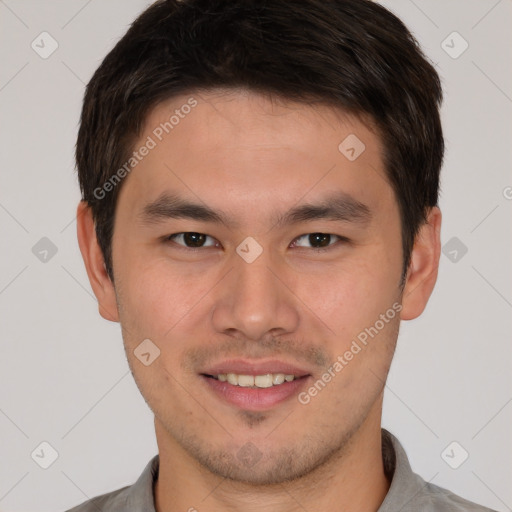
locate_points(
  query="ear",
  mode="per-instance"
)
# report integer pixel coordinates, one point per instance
(101, 284)
(422, 271)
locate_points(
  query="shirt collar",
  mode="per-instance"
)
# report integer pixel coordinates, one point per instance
(141, 496)
(405, 484)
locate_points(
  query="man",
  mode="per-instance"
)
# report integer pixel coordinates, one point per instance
(260, 185)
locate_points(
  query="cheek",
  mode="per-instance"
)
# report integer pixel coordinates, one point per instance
(351, 295)
(157, 297)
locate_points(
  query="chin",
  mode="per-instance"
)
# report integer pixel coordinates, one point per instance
(270, 465)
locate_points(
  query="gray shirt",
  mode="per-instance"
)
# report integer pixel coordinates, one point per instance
(408, 491)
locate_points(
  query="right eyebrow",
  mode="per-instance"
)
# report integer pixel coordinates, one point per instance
(170, 206)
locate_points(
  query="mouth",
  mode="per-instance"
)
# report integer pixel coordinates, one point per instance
(255, 386)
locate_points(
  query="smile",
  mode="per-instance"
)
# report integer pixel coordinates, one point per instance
(254, 381)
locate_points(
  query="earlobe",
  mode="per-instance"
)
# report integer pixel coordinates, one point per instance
(423, 268)
(92, 255)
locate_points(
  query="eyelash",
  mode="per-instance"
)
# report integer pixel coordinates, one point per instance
(341, 239)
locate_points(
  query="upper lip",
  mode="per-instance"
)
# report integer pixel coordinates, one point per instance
(247, 367)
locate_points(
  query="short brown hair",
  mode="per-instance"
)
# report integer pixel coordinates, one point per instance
(352, 54)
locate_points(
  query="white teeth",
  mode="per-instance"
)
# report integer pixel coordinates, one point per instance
(263, 381)
(259, 381)
(278, 378)
(232, 379)
(245, 381)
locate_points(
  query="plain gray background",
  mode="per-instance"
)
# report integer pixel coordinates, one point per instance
(64, 376)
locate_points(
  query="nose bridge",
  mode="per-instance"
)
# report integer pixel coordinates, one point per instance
(255, 284)
(255, 301)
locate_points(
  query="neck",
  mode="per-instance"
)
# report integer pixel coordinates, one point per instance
(352, 480)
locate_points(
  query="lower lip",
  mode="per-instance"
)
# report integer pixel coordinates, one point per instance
(255, 399)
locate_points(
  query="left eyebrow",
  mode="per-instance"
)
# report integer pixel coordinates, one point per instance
(340, 207)
(337, 207)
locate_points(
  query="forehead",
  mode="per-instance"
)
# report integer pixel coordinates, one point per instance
(245, 119)
(241, 150)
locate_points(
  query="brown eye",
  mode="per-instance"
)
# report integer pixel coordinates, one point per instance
(317, 240)
(191, 239)
(194, 239)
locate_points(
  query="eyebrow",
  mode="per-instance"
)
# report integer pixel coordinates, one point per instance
(335, 207)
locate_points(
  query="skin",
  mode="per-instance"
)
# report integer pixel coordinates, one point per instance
(251, 158)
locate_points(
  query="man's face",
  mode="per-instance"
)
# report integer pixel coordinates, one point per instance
(254, 294)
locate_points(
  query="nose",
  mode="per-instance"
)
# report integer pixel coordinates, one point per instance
(255, 301)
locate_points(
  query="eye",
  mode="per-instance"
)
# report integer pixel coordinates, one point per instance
(192, 240)
(318, 241)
